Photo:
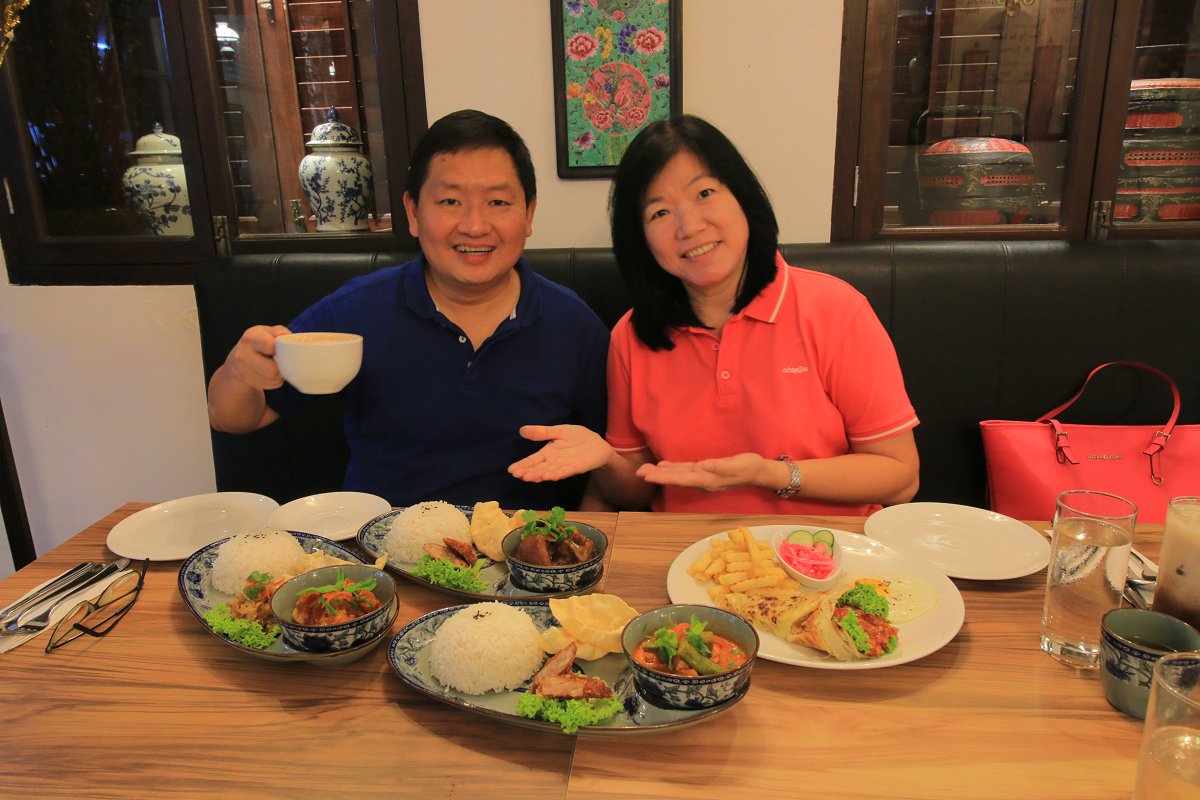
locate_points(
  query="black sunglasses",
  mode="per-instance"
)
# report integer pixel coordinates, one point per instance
(98, 617)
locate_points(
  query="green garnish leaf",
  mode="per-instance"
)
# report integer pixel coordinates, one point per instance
(444, 573)
(256, 584)
(570, 714)
(243, 631)
(666, 642)
(365, 585)
(698, 637)
(552, 525)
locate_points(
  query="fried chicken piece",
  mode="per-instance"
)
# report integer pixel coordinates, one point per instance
(571, 686)
(258, 610)
(439, 552)
(557, 664)
(464, 550)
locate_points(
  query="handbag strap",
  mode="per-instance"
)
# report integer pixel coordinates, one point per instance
(1157, 442)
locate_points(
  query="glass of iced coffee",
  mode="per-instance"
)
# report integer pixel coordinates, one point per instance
(1177, 589)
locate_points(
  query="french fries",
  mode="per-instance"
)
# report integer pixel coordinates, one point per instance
(741, 564)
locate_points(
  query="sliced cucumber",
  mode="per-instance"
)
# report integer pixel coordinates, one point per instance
(801, 537)
(823, 549)
(825, 536)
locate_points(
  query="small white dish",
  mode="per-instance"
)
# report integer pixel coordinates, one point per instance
(962, 541)
(820, 584)
(173, 530)
(334, 515)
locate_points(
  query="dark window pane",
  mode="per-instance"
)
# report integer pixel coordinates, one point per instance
(93, 76)
(978, 127)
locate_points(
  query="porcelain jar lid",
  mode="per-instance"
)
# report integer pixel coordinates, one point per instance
(157, 144)
(333, 133)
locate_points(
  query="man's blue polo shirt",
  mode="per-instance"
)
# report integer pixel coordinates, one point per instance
(430, 418)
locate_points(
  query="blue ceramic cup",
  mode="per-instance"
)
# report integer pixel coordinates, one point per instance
(1132, 640)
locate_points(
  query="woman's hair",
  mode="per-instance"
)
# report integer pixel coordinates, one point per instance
(464, 131)
(660, 301)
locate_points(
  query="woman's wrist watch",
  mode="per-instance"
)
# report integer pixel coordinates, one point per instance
(793, 487)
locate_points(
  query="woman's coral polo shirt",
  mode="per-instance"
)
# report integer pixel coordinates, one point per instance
(804, 370)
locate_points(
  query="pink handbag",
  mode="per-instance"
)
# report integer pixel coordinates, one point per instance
(1030, 463)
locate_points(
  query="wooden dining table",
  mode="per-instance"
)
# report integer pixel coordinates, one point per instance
(163, 708)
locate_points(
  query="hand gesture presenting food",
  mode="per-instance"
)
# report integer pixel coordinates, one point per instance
(709, 475)
(572, 450)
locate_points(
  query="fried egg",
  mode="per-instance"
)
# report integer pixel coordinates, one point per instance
(908, 596)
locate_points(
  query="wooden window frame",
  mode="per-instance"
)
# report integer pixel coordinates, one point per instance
(1092, 150)
(142, 260)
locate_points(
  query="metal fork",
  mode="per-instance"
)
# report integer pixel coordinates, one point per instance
(38, 623)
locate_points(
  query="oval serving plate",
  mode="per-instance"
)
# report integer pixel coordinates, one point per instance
(409, 656)
(495, 573)
(196, 589)
(177, 528)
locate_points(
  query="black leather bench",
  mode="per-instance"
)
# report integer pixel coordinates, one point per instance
(984, 330)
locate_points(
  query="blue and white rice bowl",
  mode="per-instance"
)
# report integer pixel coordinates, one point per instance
(344, 635)
(565, 578)
(682, 691)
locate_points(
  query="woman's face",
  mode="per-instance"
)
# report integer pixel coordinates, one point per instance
(695, 227)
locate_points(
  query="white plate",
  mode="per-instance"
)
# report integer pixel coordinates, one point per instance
(862, 557)
(175, 529)
(962, 541)
(334, 515)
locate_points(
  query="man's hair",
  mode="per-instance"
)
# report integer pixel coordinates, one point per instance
(465, 131)
(660, 301)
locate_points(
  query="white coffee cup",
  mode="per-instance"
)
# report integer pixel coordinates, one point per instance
(318, 363)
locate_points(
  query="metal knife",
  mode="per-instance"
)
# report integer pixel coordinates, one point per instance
(103, 572)
(60, 585)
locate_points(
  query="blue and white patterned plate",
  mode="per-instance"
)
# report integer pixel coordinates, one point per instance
(199, 595)
(409, 657)
(494, 573)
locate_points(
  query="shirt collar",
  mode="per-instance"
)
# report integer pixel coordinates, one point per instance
(420, 302)
(765, 305)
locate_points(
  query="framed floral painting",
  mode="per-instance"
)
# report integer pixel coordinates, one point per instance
(617, 67)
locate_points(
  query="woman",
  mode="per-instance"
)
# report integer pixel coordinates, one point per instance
(736, 383)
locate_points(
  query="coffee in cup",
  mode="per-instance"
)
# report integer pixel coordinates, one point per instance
(318, 362)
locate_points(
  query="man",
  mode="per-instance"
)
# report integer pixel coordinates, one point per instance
(461, 346)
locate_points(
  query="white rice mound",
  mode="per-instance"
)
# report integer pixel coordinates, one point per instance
(430, 521)
(269, 550)
(487, 647)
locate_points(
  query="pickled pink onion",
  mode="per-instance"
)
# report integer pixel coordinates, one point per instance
(806, 560)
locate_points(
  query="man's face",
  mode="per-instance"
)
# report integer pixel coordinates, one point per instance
(471, 217)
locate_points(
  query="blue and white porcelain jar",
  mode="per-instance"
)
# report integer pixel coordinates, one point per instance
(156, 186)
(337, 178)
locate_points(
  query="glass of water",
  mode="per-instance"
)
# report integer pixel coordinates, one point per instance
(1089, 554)
(1169, 764)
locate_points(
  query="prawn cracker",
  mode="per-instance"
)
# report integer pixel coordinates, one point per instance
(594, 619)
(489, 526)
(555, 639)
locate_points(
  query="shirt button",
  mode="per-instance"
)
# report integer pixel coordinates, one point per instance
(725, 374)
(716, 345)
(462, 340)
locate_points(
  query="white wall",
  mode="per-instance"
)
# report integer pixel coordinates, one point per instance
(102, 387)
